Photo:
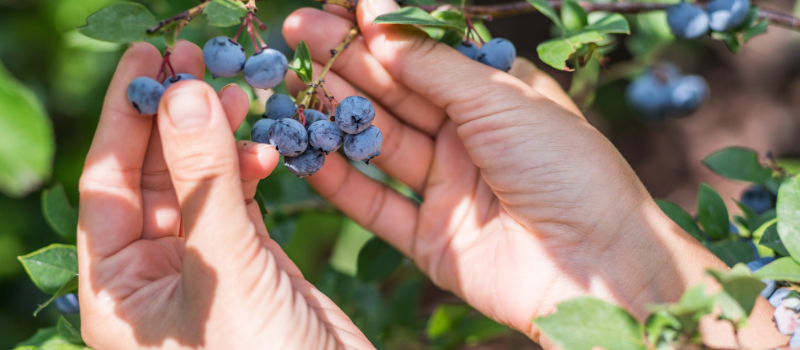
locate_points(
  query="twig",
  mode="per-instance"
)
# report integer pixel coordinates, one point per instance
(187, 15)
(305, 96)
(516, 8)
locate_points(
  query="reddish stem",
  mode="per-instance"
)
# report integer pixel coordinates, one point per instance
(301, 117)
(239, 32)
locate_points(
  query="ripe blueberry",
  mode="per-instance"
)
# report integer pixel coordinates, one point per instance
(498, 53)
(280, 106)
(144, 94)
(325, 136)
(354, 114)
(307, 163)
(178, 77)
(727, 14)
(288, 136)
(266, 69)
(758, 198)
(260, 130)
(687, 21)
(363, 146)
(223, 57)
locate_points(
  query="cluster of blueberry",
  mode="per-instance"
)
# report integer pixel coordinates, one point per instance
(224, 57)
(497, 53)
(689, 21)
(663, 91)
(304, 146)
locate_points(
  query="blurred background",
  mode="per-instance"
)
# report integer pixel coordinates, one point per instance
(59, 78)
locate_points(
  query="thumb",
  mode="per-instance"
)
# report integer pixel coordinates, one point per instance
(465, 88)
(201, 155)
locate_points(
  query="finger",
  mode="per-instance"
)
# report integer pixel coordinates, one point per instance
(111, 202)
(406, 152)
(467, 90)
(236, 104)
(256, 162)
(369, 203)
(161, 211)
(526, 71)
(323, 31)
(341, 12)
(202, 158)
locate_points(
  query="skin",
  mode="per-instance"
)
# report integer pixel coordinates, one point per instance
(526, 204)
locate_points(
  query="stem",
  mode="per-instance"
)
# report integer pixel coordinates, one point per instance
(305, 96)
(185, 15)
(516, 8)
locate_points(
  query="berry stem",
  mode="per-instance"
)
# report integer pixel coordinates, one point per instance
(305, 96)
(187, 15)
(251, 32)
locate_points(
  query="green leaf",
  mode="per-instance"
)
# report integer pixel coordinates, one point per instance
(51, 267)
(68, 332)
(453, 18)
(712, 213)
(124, 22)
(790, 165)
(405, 299)
(480, 329)
(731, 252)
(759, 28)
(224, 13)
(556, 52)
(445, 318)
(26, 138)
(59, 213)
(783, 269)
(585, 322)
(740, 289)
(544, 7)
(788, 209)
(302, 63)
(772, 240)
(680, 217)
(613, 23)
(738, 163)
(658, 325)
(751, 219)
(70, 286)
(411, 15)
(573, 16)
(730, 40)
(48, 339)
(377, 260)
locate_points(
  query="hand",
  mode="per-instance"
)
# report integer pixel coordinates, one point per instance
(525, 203)
(173, 252)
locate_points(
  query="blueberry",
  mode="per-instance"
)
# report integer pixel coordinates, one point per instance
(778, 296)
(468, 49)
(733, 229)
(687, 21)
(178, 77)
(727, 14)
(649, 97)
(313, 115)
(260, 130)
(280, 106)
(68, 304)
(354, 114)
(325, 136)
(223, 57)
(363, 146)
(266, 69)
(755, 265)
(665, 71)
(795, 341)
(144, 94)
(288, 136)
(498, 53)
(758, 198)
(687, 93)
(769, 288)
(306, 164)
(785, 319)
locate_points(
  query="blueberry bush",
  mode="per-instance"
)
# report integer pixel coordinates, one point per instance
(384, 294)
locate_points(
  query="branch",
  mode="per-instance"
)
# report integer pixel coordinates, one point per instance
(305, 96)
(187, 15)
(516, 8)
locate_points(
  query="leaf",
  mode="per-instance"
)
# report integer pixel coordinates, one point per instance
(730, 40)
(51, 267)
(738, 163)
(731, 252)
(59, 213)
(377, 260)
(613, 23)
(751, 218)
(790, 165)
(26, 138)
(480, 329)
(783, 269)
(556, 52)
(712, 213)
(68, 332)
(680, 217)
(411, 15)
(445, 318)
(224, 13)
(788, 209)
(302, 63)
(772, 240)
(573, 16)
(48, 339)
(70, 286)
(657, 325)
(758, 29)
(405, 299)
(123, 23)
(585, 322)
(544, 7)
(740, 289)
(453, 18)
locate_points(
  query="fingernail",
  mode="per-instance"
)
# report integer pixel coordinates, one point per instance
(379, 7)
(188, 109)
(255, 147)
(227, 86)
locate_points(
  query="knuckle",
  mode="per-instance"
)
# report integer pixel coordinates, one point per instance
(199, 166)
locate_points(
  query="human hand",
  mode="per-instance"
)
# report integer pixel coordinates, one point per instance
(525, 203)
(173, 252)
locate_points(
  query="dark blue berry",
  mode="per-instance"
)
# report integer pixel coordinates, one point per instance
(144, 94)
(223, 57)
(354, 114)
